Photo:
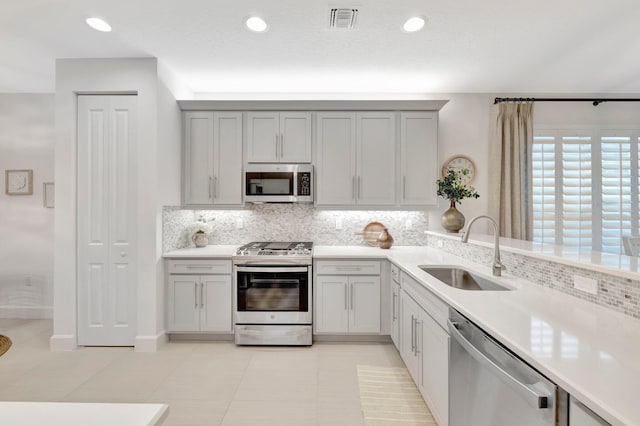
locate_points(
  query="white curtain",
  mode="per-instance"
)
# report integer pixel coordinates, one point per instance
(511, 142)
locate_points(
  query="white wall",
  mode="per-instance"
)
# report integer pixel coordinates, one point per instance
(169, 172)
(75, 76)
(26, 226)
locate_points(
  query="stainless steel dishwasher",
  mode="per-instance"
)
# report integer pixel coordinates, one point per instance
(489, 385)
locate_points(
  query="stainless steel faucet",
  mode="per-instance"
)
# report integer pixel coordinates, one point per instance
(497, 266)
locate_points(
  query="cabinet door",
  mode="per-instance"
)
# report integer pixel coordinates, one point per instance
(395, 314)
(198, 158)
(376, 158)
(408, 314)
(364, 304)
(332, 311)
(295, 137)
(336, 158)
(227, 146)
(433, 351)
(262, 137)
(418, 158)
(183, 303)
(581, 415)
(215, 303)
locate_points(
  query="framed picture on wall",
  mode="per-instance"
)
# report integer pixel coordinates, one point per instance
(18, 182)
(48, 194)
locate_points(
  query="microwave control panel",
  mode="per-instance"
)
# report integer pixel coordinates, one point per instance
(304, 183)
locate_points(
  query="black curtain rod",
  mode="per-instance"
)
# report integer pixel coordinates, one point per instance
(595, 101)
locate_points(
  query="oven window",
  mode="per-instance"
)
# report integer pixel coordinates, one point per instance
(265, 291)
(271, 183)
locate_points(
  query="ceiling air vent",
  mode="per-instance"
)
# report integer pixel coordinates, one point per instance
(343, 18)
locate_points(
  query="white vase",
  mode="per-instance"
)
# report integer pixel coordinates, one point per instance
(200, 239)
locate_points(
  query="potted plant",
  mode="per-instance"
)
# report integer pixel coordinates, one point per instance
(452, 187)
(200, 230)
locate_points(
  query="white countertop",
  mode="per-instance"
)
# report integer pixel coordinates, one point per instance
(210, 252)
(590, 351)
(81, 414)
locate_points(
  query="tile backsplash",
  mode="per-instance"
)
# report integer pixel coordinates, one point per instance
(290, 222)
(617, 293)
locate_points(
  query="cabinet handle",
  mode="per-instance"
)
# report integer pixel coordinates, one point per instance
(215, 186)
(210, 185)
(198, 267)
(404, 187)
(351, 299)
(281, 144)
(195, 288)
(202, 295)
(348, 268)
(416, 328)
(413, 335)
(346, 298)
(393, 308)
(353, 187)
(359, 188)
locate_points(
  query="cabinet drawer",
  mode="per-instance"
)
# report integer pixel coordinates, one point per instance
(347, 267)
(395, 273)
(435, 307)
(191, 266)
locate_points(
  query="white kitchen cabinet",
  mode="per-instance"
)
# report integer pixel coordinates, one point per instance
(410, 314)
(197, 301)
(433, 344)
(212, 165)
(395, 306)
(425, 345)
(347, 303)
(581, 415)
(418, 158)
(279, 137)
(356, 158)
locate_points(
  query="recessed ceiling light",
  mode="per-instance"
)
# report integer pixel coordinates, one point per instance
(413, 24)
(99, 24)
(257, 24)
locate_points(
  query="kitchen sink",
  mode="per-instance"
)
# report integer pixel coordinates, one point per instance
(461, 278)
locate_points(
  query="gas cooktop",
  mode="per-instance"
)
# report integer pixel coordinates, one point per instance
(275, 251)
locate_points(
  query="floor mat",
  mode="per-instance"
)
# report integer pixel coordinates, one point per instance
(389, 397)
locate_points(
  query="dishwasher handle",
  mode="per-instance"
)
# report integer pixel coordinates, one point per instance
(531, 395)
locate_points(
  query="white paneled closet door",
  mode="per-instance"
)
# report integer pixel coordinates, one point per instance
(106, 212)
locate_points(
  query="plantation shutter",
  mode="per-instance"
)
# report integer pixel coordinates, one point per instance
(577, 192)
(616, 191)
(544, 189)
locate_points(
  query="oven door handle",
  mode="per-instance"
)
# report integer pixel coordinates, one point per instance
(274, 270)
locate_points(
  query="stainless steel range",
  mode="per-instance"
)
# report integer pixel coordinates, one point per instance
(273, 288)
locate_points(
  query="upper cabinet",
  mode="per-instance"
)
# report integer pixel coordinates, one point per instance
(212, 158)
(418, 158)
(279, 137)
(356, 158)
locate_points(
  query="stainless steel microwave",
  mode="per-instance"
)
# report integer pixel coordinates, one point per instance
(278, 183)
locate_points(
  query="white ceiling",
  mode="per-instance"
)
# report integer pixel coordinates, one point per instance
(532, 46)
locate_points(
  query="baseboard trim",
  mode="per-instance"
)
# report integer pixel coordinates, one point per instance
(352, 338)
(201, 337)
(150, 343)
(63, 342)
(26, 312)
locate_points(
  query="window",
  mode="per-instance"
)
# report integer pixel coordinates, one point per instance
(585, 187)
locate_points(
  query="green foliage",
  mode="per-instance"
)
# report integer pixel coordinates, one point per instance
(452, 188)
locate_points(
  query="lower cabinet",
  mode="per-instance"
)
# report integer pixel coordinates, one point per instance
(348, 303)
(424, 347)
(581, 415)
(395, 314)
(199, 303)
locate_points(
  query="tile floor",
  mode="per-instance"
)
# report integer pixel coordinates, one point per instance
(208, 383)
